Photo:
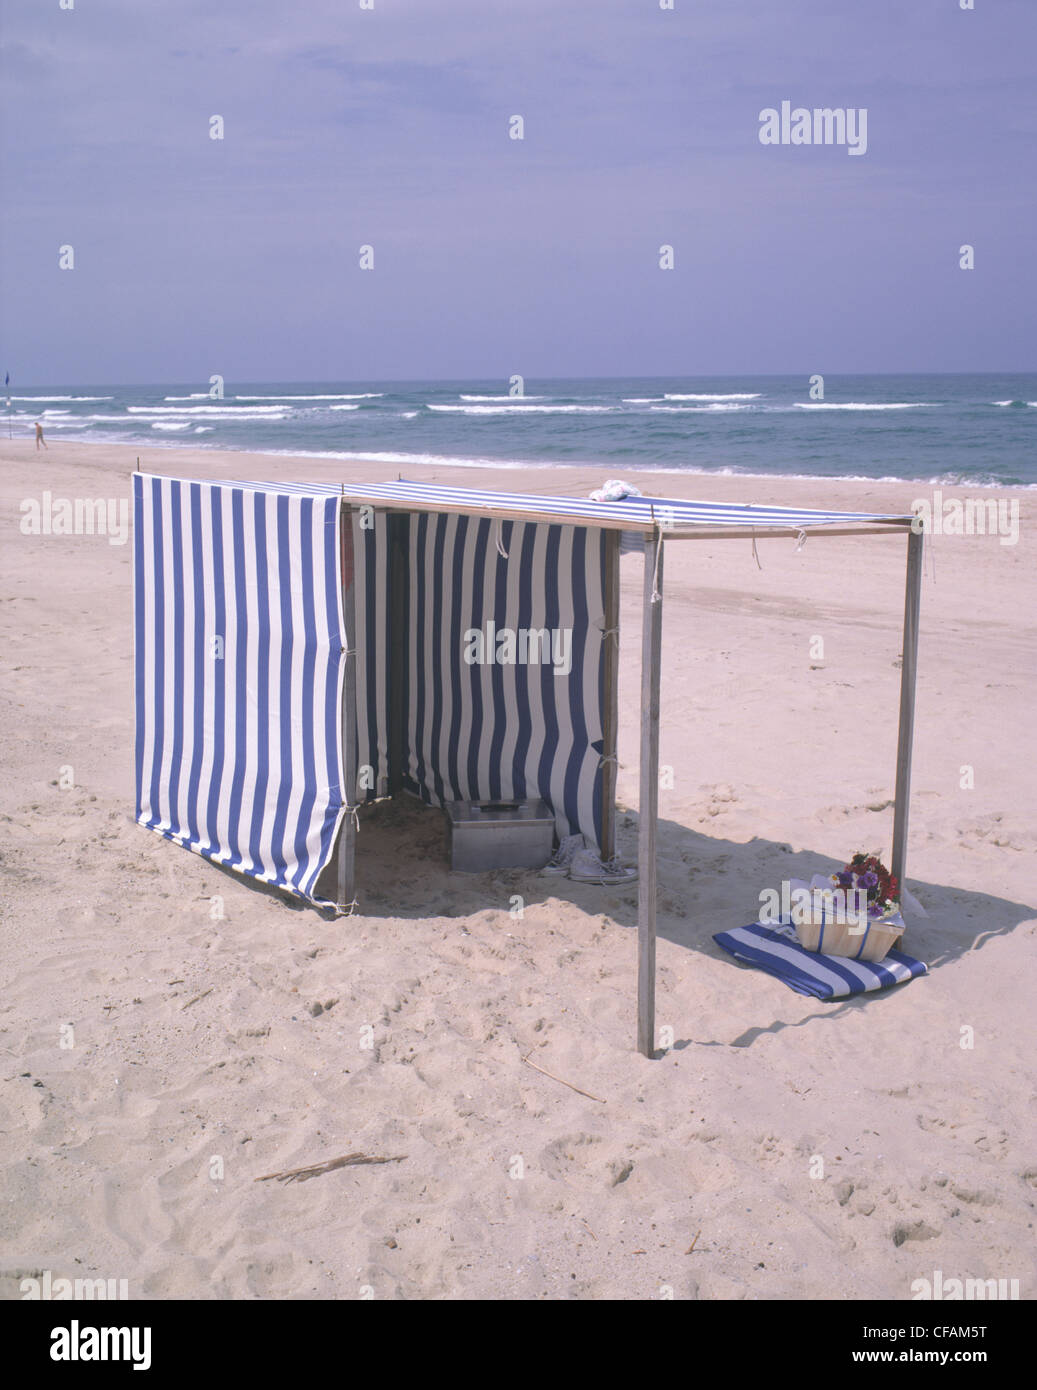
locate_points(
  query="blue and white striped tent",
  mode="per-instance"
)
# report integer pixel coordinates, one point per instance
(299, 649)
(239, 677)
(675, 516)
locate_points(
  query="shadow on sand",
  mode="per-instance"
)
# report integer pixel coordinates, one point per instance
(706, 884)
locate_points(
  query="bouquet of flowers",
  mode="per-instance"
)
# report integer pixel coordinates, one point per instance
(853, 913)
(865, 873)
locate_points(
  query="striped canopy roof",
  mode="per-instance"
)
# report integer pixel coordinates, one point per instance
(672, 514)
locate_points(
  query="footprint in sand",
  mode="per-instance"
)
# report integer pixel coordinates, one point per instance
(917, 1230)
(565, 1157)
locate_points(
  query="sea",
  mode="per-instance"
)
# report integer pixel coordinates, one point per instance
(962, 430)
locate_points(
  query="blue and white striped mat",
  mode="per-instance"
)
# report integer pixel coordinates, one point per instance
(776, 950)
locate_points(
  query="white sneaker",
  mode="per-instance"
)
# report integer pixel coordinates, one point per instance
(563, 856)
(588, 868)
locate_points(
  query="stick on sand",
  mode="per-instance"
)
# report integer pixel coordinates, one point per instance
(564, 1083)
(314, 1170)
(198, 996)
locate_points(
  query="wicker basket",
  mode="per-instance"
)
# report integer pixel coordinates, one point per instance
(821, 933)
(841, 939)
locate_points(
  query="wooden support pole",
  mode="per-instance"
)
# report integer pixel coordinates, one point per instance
(908, 672)
(651, 654)
(610, 701)
(347, 832)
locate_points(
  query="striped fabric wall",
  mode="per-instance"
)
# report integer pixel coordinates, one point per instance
(493, 731)
(238, 647)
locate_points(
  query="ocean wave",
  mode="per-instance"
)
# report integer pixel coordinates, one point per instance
(725, 396)
(355, 396)
(343, 407)
(62, 398)
(170, 424)
(525, 409)
(595, 468)
(422, 460)
(101, 420)
(233, 412)
(194, 396)
(503, 398)
(699, 409)
(728, 471)
(641, 400)
(861, 405)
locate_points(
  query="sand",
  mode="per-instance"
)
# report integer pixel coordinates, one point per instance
(157, 1058)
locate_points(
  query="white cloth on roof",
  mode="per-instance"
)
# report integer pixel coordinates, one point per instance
(614, 491)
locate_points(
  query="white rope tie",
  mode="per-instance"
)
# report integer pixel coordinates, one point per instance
(347, 909)
(612, 632)
(656, 595)
(801, 540)
(500, 541)
(608, 758)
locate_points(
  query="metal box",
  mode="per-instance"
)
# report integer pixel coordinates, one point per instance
(499, 834)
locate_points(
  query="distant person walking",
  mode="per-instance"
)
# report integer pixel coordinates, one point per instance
(39, 435)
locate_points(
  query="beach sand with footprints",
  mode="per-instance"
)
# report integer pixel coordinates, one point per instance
(158, 1059)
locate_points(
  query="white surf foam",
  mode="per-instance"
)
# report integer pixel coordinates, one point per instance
(62, 398)
(724, 396)
(525, 409)
(107, 420)
(700, 409)
(503, 398)
(343, 407)
(233, 412)
(861, 405)
(170, 424)
(355, 396)
(435, 460)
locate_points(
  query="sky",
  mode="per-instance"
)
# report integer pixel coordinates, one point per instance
(388, 127)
